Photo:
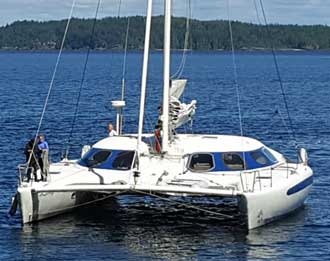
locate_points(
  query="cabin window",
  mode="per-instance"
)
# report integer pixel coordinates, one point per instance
(123, 160)
(233, 161)
(269, 155)
(259, 157)
(201, 162)
(108, 159)
(97, 158)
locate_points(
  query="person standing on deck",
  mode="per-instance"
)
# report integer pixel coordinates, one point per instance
(111, 130)
(43, 155)
(31, 151)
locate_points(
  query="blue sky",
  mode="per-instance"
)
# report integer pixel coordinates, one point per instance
(278, 11)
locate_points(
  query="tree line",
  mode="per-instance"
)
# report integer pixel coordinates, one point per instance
(110, 32)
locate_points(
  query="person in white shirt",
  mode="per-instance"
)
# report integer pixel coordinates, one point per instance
(111, 130)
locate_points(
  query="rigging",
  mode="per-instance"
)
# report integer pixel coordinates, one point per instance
(235, 70)
(278, 71)
(179, 72)
(82, 79)
(53, 77)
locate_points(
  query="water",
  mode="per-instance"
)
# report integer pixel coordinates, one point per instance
(152, 230)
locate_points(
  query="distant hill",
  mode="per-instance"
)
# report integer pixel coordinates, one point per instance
(204, 35)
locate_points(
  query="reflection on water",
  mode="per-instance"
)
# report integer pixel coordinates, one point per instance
(267, 242)
(139, 231)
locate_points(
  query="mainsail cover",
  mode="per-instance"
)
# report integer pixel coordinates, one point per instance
(181, 113)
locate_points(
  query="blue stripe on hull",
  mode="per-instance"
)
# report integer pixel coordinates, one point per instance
(300, 186)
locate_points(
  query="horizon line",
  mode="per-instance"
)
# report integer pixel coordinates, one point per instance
(182, 17)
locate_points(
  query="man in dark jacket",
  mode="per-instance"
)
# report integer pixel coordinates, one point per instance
(31, 151)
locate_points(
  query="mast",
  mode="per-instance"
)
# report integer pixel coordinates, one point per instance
(167, 62)
(144, 73)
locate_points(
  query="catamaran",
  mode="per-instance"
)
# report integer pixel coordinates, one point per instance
(169, 165)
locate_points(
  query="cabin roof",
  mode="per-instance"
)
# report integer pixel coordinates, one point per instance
(120, 143)
(187, 143)
(216, 143)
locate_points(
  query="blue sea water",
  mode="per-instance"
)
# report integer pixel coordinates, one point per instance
(137, 230)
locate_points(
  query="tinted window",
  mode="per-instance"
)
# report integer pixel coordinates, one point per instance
(96, 158)
(269, 155)
(259, 157)
(201, 162)
(233, 161)
(123, 160)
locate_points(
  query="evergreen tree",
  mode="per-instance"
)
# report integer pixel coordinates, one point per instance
(204, 35)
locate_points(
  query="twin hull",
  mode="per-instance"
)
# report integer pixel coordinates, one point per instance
(258, 208)
(36, 206)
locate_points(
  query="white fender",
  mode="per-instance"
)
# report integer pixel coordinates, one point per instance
(303, 156)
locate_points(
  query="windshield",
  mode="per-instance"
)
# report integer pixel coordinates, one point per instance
(107, 159)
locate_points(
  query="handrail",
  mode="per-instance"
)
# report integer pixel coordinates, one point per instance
(23, 170)
(254, 180)
(260, 187)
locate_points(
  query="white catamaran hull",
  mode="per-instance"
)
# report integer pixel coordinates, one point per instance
(36, 206)
(259, 206)
(266, 206)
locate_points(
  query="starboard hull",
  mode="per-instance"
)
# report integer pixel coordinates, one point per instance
(267, 206)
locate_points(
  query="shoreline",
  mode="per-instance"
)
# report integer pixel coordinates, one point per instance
(252, 50)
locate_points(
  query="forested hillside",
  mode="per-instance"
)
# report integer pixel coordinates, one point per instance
(204, 35)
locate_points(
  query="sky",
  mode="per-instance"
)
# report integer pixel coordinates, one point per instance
(277, 11)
